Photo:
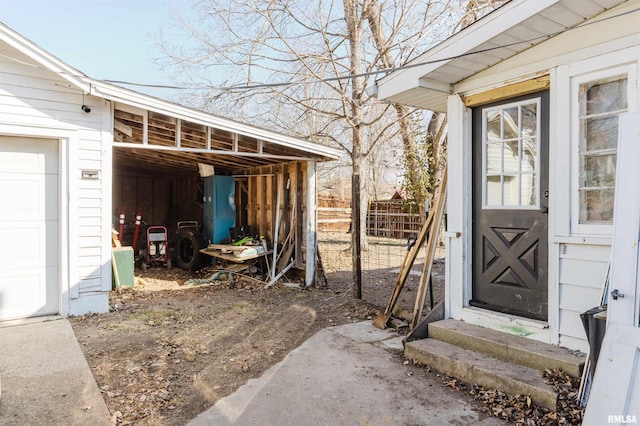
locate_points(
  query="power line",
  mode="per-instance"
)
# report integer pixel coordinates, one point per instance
(155, 86)
(345, 77)
(381, 71)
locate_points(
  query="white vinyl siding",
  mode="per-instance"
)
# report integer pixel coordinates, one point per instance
(582, 273)
(34, 100)
(577, 260)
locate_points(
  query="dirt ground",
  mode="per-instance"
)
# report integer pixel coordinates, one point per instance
(173, 346)
(170, 347)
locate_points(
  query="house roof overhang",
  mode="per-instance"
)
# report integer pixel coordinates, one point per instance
(428, 80)
(242, 146)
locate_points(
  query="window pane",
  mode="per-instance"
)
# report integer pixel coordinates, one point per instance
(529, 196)
(529, 120)
(599, 170)
(494, 158)
(494, 191)
(511, 124)
(493, 126)
(596, 205)
(511, 191)
(529, 155)
(605, 96)
(511, 157)
(600, 133)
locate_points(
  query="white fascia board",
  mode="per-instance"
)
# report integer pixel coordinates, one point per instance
(42, 57)
(497, 22)
(130, 97)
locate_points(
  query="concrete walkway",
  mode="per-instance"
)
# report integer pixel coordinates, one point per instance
(45, 378)
(345, 375)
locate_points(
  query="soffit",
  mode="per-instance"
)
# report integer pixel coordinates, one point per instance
(507, 31)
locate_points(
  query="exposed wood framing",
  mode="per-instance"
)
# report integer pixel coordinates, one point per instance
(265, 212)
(178, 132)
(299, 213)
(252, 209)
(286, 217)
(145, 127)
(274, 189)
(142, 134)
(263, 207)
(505, 92)
(123, 128)
(275, 217)
(164, 144)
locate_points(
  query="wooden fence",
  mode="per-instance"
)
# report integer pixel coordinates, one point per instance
(334, 214)
(393, 219)
(388, 218)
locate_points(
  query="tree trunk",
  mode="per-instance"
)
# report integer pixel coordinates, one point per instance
(407, 134)
(414, 171)
(354, 28)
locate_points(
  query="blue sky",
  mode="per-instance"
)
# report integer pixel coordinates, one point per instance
(105, 39)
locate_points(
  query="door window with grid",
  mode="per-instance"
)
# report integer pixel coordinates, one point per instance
(511, 142)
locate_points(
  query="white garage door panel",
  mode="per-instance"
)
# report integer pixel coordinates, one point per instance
(29, 227)
(26, 297)
(21, 247)
(24, 294)
(25, 155)
(33, 197)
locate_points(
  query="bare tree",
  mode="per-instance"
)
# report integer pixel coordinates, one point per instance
(476, 9)
(302, 67)
(374, 14)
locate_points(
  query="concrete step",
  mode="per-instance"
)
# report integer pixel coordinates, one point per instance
(481, 369)
(507, 347)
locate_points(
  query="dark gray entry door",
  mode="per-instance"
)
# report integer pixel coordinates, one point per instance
(510, 205)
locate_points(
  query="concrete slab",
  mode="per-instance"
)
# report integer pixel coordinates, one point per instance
(334, 379)
(46, 379)
(508, 347)
(394, 343)
(364, 332)
(477, 368)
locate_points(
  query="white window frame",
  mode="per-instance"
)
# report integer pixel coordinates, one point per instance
(576, 80)
(485, 111)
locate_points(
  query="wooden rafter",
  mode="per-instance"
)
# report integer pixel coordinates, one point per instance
(148, 138)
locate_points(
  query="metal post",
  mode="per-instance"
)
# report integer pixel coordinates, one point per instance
(355, 238)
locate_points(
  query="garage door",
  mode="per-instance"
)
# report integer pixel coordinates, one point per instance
(29, 227)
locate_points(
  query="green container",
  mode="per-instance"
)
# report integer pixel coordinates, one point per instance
(123, 257)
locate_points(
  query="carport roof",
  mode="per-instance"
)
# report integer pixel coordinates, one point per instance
(514, 27)
(162, 134)
(168, 135)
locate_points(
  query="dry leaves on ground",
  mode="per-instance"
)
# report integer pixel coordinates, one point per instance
(519, 409)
